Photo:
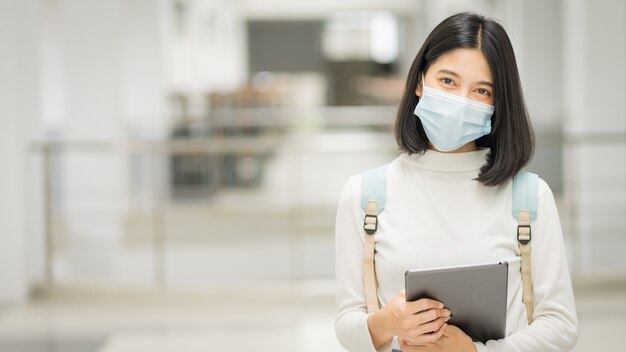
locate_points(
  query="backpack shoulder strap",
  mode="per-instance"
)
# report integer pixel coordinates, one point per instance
(524, 208)
(525, 192)
(373, 194)
(374, 187)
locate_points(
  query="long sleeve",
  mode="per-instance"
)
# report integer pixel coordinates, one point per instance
(351, 321)
(555, 326)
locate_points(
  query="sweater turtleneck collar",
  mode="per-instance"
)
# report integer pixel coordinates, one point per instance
(449, 162)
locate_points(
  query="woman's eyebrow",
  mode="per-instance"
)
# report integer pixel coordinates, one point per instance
(452, 73)
(443, 70)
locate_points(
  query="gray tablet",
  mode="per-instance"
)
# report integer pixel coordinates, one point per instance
(476, 296)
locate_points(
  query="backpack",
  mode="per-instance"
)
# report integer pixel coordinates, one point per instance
(524, 209)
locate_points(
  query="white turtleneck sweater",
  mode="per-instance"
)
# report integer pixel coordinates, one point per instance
(437, 215)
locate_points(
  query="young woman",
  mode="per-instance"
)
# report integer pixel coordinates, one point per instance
(464, 133)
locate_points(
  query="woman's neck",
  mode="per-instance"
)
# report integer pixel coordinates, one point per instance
(469, 147)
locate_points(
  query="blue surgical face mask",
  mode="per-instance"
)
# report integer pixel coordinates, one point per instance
(451, 121)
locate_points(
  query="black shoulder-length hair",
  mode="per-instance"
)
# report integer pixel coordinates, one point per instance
(511, 140)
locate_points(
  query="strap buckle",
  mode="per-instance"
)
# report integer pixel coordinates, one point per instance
(524, 234)
(370, 224)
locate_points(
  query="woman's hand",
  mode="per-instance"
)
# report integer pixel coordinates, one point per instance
(454, 339)
(417, 323)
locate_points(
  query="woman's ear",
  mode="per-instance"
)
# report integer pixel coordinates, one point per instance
(418, 89)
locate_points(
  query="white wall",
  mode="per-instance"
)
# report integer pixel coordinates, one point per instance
(143, 71)
(207, 50)
(595, 120)
(19, 110)
(540, 59)
(114, 82)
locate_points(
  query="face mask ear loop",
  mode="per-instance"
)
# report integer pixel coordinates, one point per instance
(424, 85)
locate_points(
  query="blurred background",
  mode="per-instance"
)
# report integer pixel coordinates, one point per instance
(171, 168)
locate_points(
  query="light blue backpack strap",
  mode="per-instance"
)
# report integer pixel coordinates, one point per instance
(525, 186)
(374, 187)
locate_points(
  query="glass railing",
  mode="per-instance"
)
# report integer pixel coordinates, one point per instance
(252, 193)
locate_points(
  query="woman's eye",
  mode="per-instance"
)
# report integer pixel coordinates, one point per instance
(482, 91)
(446, 80)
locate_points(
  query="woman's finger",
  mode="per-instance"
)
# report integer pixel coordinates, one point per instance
(424, 304)
(430, 327)
(427, 338)
(428, 316)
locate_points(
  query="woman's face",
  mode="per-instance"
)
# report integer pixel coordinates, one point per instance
(462, 72)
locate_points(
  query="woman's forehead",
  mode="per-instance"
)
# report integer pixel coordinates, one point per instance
(468, 64)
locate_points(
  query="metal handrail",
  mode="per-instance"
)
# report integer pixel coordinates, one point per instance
(212, 145)
(595, 137)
